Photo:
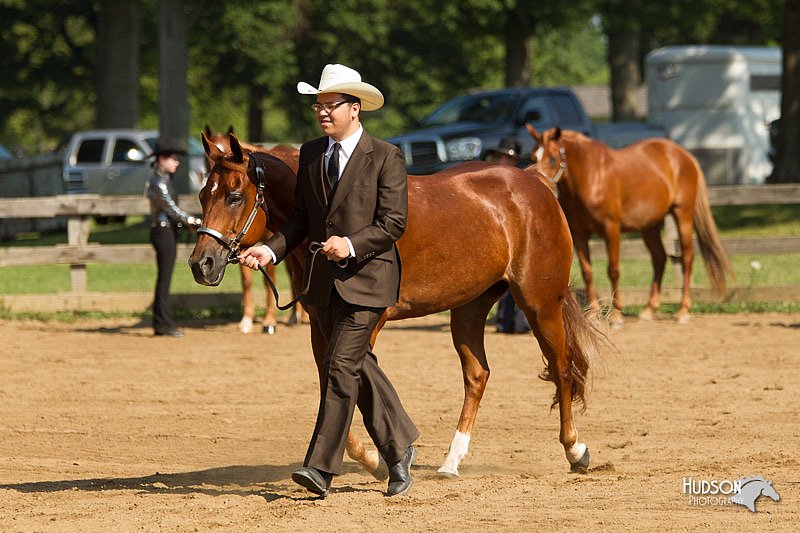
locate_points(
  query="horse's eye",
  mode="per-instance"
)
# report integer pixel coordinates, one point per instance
(553, 160)
(234, 199)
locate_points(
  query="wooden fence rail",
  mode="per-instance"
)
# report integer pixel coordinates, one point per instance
(78, 252)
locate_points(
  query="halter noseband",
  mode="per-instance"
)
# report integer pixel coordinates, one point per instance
(234, 245)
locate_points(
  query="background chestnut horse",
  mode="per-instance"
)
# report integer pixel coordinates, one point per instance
(270, 322)
(607, 192)
(472, 232)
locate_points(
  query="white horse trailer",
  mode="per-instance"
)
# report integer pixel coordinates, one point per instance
(717, 102)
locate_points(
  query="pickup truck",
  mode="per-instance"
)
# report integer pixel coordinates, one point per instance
(114, 161)
(468, 126)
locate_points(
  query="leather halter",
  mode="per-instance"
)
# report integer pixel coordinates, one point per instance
(562, 165)
(234, 245)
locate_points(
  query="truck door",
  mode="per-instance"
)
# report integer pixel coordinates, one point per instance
(536, 111)
(87, 173)
(127, 171)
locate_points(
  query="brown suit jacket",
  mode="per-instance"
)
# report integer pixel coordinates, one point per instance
(369, 206)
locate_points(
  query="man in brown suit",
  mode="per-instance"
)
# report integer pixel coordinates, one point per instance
(351, 196)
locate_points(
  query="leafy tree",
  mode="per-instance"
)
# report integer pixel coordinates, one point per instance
(787, 165)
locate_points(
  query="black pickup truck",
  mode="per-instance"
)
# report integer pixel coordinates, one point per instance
(468, 126)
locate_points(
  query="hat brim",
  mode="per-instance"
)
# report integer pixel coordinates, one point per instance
(168, 152)
(508, 153)
(371, 98)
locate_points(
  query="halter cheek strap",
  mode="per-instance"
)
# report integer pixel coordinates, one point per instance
(562, 165)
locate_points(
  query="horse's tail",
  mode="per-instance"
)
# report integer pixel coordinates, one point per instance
(714, 256)
(585, 343)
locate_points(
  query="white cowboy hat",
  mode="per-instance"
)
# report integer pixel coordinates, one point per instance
(342, 79)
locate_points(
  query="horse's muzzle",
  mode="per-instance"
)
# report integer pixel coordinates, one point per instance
(207, 270)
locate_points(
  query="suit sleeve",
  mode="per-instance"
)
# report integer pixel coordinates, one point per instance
(391, 210)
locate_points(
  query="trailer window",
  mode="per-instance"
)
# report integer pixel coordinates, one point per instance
(765, 83)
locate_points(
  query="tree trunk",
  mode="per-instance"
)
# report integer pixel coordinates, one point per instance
(255, 113)
(626, 77)
(117, 74)
(517, 35)
(173, 91)
(787, 164)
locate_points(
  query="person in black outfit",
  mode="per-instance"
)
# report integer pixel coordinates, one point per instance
(510, 319)
(166, 218)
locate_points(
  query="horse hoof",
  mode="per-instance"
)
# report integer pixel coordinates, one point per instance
(450, 474)
(292, 320)
(616, 324)
(683, 319)
(382, 472)
(582, 465)
(269, 329)
(246, 325)
(646, 315)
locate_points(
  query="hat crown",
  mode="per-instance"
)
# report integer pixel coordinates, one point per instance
(335, 74)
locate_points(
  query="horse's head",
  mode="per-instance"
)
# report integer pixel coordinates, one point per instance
(229, 200)
(547, 154)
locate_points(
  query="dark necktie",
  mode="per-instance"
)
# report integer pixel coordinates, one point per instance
(333, 166)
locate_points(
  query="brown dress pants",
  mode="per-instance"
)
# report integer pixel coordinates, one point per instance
(350, 376)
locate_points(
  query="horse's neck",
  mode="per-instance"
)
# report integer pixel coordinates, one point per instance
(281, 179)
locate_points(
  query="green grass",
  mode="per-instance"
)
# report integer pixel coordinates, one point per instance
(763, 220)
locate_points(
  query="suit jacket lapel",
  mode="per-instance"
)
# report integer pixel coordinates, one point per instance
(316, 173)
(356, 169)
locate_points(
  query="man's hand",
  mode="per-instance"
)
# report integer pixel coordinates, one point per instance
(254, 257)
(335, 248)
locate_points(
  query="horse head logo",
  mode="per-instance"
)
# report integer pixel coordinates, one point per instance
(751, 489)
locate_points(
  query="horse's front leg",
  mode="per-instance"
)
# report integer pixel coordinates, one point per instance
(466, 327)
(612, 236)
(652, 239)
(248, 306)
(581, 243)
(270, 321)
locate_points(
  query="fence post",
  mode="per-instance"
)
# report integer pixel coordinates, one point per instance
(78, 234)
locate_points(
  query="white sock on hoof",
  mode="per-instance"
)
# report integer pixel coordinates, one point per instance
(458, 450)
(575, 453)
(246, 325)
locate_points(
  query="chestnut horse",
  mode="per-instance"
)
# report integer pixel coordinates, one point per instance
(270, 321)
(472, 232)
(606, 192)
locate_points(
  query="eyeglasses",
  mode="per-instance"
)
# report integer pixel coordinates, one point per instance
(328, 107)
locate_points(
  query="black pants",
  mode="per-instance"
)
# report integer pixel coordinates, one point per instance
(164, 239)
(350, 377)
(510, 319)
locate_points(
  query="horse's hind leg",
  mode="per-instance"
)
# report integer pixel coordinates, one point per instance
(652, 239)
(270, 320)
(467, 324)
(685, 223)
(248, 306)
(547, 322)
(581, 243)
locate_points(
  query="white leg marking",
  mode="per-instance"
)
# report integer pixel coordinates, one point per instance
(576, 451)
(458, 450)
(246, 324)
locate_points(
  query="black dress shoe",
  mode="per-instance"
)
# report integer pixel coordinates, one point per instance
(400, 474)
(170, 333)
(314, 480)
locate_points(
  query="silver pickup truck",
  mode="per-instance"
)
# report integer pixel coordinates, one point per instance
(114, 161)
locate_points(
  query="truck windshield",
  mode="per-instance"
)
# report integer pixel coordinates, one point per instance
(484, 109)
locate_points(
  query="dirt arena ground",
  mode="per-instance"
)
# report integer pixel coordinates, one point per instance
(106, 428)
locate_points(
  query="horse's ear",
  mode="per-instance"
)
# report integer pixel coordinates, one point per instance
(533, 132)
(556, 133)
(207, 130)
(236, 149)
(230, 129)
(211, 149)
